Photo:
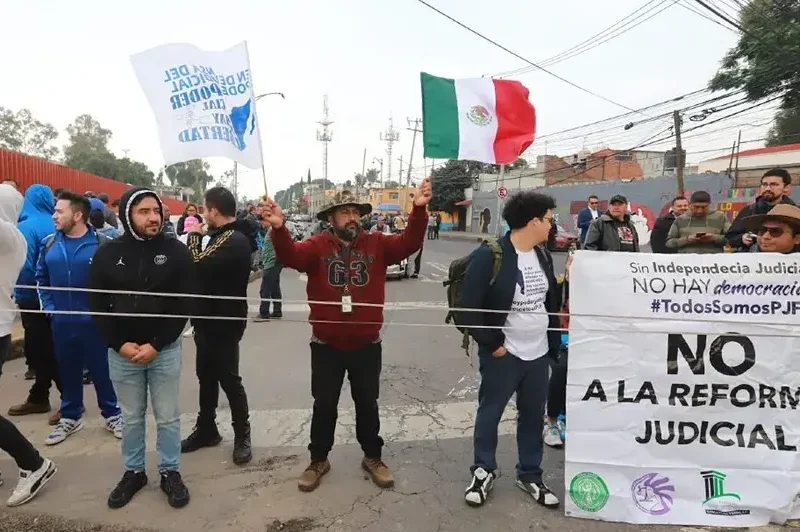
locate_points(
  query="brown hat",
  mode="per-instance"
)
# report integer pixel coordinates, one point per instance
(783, 212)
(341, 199)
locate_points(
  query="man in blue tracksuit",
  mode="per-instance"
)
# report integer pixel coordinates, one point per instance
(64, 262)
(35, 224)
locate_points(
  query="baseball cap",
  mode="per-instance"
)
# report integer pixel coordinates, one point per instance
(618, 198)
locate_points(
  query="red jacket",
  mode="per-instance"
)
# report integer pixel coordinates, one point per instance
(370, 255)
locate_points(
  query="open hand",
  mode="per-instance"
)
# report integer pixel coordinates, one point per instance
(272, 213)
(422, 196)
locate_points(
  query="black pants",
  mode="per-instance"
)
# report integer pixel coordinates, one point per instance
(431, 230)
(363, 367)
(418, 262)
(218, 365)
(39, 352)
(271, 289)
(557, 392)
(11, 439)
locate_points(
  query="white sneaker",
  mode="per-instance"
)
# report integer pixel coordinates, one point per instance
(478, 490)
(539, 492)
(31, 482)
(552, 435)
(114, 426)
(188, 333)
(64, 429)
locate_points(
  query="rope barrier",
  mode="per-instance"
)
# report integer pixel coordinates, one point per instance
(391, 306)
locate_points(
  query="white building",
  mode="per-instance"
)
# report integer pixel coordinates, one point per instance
(752, 164)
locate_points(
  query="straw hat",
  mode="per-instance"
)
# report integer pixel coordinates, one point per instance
(783, 212)
(342, 199)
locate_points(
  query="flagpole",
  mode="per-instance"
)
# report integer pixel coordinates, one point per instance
(258, 122)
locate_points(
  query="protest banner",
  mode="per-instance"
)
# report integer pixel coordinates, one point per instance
(682, 408)
(202, 101)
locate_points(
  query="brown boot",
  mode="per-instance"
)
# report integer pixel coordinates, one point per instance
(55, 418)
(28, 408)
(379, 472)
(312, 476)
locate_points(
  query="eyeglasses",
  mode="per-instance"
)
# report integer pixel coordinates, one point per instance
(772, 185)
(774, 232)
(592, 203)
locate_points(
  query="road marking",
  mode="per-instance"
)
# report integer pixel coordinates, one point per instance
(287, 428)
(440, 267)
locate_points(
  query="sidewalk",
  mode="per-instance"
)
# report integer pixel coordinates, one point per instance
(462, 235)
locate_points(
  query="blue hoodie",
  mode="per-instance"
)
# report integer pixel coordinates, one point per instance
(66, 265)
(35, 224)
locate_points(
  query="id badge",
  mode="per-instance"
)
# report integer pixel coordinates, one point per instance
(347, 304)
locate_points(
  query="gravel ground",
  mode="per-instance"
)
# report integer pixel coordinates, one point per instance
(31, 522)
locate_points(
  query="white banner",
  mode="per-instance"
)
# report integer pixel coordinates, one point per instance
(683, 409)
(203, 102)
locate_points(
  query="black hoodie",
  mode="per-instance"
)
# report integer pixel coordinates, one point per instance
(736, 232)
(223, 269)
(136, 264)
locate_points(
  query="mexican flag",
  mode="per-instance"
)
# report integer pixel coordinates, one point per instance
(479, 119)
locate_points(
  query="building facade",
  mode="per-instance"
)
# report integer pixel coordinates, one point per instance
(747, 167)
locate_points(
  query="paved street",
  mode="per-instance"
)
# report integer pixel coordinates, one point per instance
(428, 404)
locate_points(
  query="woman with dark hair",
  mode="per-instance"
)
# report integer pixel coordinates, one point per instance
(190, 210)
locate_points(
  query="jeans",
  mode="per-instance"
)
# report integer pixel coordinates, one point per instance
(500, 378)
(11, 439)
(39, 352)
(218, 366)
(162, 377)
(77, 344)
(557, 393)
(271, 289)
(363, 367)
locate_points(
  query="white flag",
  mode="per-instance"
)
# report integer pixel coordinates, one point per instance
(203, 102)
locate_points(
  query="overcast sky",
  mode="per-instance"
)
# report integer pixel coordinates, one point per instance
(62, 59)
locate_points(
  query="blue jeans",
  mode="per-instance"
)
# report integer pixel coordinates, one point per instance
(271, 289)
(78, 344)
(500, 378)
(162, 376)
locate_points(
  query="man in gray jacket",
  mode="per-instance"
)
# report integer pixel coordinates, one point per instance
(613, 230)
(699, 231)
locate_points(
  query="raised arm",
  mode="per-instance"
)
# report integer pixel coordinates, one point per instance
(401, 245)
(300, 256)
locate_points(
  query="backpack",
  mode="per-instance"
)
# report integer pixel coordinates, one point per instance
(455, 287)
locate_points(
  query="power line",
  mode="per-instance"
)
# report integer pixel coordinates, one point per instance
(694, 10)
(599, 38)
(531, 63)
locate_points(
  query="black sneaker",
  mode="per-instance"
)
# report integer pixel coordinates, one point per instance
(200, 438)
(129, 486)
(277, 315)
(539, 492)
(177, 493)
(478, 490)
(30, 375)
(242, 448)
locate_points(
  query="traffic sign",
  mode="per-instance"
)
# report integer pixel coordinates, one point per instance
(502, 192)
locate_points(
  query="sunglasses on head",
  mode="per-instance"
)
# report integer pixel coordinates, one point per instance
(774, 232)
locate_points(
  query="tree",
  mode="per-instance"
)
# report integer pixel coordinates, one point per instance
(372, 175)
(348, 184)
(20, 131)
(191, 174)
(133, 173)
(766, 60)
(391, 184)
(786, 129)
(360, 180)
(449, 181)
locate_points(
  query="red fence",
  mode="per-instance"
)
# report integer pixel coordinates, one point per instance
(27, 171)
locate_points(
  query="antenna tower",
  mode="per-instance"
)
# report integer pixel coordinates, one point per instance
(325, 136)
(390, 137)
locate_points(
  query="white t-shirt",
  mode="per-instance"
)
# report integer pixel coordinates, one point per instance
(595, 214)
(526, 334)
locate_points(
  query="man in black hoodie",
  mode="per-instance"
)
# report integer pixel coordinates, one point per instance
(775, 188)
(144, 352)
(223, 270)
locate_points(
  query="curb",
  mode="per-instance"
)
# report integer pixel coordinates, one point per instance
(17, 349)
(466, 237)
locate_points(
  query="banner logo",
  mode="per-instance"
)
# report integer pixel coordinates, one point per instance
(589, 492)
(717, 501)
(653, 494)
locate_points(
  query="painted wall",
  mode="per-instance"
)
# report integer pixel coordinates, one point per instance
(648, 199)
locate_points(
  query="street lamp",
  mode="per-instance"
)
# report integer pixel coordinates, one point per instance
(236, 164)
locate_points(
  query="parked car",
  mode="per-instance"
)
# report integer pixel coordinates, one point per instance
(563, 239)
(399, 271)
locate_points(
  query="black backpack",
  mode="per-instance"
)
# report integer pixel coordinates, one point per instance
(455, 287)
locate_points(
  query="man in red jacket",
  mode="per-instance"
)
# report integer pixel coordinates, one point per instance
(346, 266)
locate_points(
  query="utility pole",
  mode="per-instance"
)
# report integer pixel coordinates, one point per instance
(325, 136)
(416, 130)
(376, 160)
(680, 163)
(736, 169)
(389, 137)
(236, 182)
(497, 223)
(363, 168)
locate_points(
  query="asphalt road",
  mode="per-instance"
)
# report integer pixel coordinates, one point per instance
(428, 395)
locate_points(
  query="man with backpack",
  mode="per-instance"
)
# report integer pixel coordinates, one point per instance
(346, 266)
(514, 279)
